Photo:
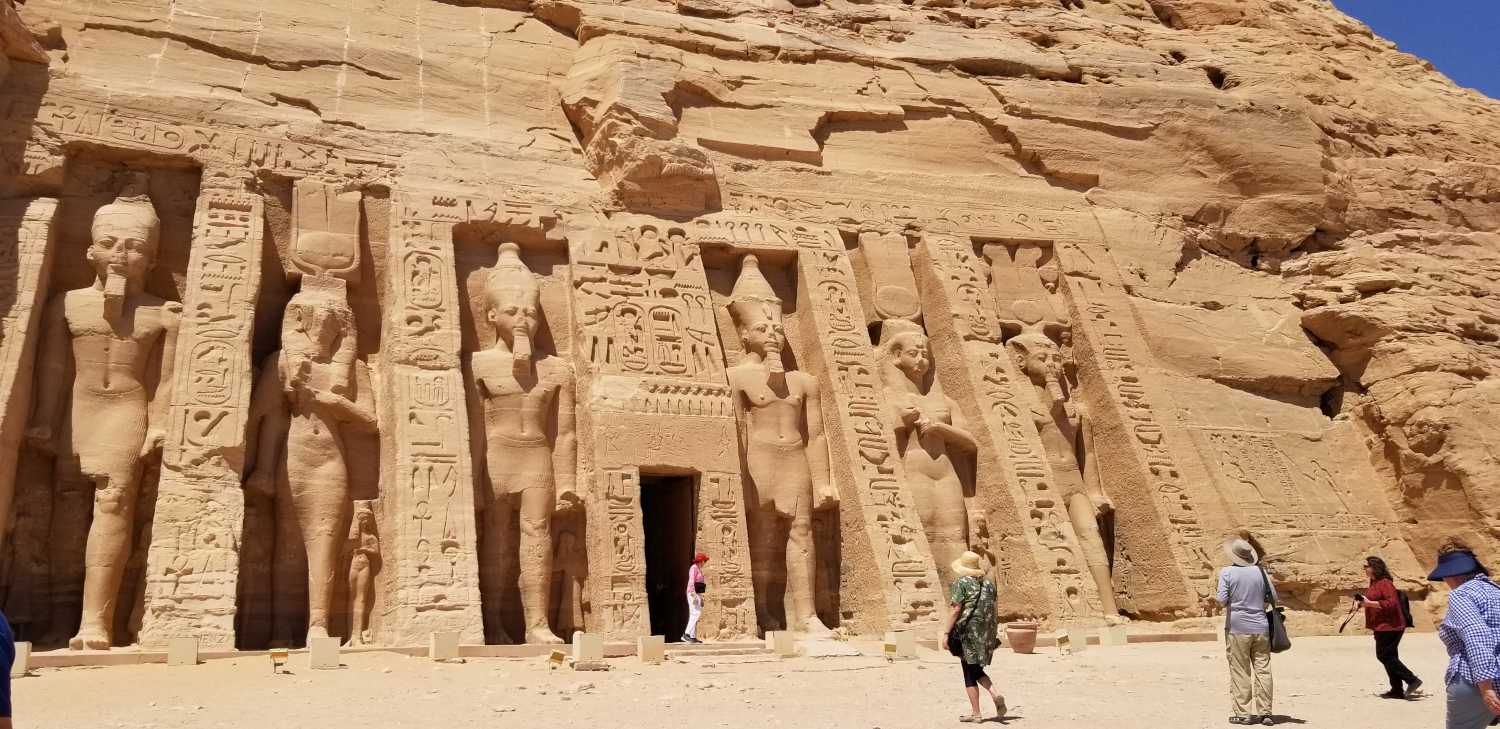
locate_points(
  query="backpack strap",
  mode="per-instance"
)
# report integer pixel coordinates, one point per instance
(1270, 596)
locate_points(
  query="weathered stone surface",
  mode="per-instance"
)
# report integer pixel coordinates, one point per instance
(540, 298)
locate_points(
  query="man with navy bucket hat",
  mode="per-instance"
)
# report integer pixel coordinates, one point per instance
(1471, 632)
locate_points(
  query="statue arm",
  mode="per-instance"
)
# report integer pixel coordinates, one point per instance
(956, 434)
(166, 365)
(359, 412)
(51, 369)
(824, 494)
(1092, 484)
(565, 447)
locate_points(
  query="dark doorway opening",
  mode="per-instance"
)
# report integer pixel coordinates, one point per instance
(669, 511)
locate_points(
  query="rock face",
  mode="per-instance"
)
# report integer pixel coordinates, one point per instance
(484, 316)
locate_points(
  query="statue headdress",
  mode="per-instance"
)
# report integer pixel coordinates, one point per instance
(892, 328)
(753, 298)
(511, 275)
(132, 207)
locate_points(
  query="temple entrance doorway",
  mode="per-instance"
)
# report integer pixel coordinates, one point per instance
(669, 519)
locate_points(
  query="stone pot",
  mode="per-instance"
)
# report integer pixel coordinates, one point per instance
(1021, 636)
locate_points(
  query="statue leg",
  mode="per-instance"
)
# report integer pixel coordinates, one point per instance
(801, 566)
(1081, 513)
(359, 589)
(320, 494)
(536, 562)
(493, 572)
(763, 526)
(288, 572)
(109, 545)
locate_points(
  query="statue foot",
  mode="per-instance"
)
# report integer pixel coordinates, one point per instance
(316, 631)
(542, 636)
(89, 639)
(814, 628)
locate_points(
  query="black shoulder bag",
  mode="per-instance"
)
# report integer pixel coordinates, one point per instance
(955, 634)
(1275, 619)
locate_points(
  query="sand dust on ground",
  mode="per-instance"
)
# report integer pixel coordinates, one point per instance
(1327, 681)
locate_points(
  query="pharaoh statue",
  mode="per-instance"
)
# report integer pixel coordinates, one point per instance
(929, 428)
(119, 343)
(1067, 434)
(786, 454)
(363, 564)
(312, 395)
(531, 443)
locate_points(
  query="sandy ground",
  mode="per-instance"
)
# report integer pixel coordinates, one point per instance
(1329, 682)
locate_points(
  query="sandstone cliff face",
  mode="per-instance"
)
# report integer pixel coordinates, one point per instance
(1263, 241)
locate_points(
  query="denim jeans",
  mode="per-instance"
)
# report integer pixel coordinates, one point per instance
(1466, 709)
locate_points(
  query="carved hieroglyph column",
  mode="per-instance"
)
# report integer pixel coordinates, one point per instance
(192, 569)
(428, 501)
(964, 328)
(1152, 466)
(863, 447)
(26, 237)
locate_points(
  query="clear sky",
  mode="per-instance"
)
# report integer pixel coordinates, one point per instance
(1460, 37)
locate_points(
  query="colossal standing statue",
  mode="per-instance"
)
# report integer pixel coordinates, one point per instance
(786, 454)
(1068, 436)
(532, 453)
(123, 345)
(928, 426)
(309, 393)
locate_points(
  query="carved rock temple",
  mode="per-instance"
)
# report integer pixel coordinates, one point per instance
(377, 318)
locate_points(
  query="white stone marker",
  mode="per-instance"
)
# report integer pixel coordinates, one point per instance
(588, 647)
(782, 642)
(1114, 635)
(905, 642)
(651, 648)
(1078, 638)
(323, 653)
(182, 651)
(442, 646)
(23, 659)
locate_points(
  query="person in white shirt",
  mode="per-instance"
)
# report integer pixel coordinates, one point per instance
(1243, 588)
(695, 589)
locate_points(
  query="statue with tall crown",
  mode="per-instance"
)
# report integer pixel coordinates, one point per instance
(786, 455)
(531, 442)
(312, 394)
(1067, 434)
(108, 349)
(929, 428)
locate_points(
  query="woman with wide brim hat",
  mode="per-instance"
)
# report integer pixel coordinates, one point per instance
(972, 625)
(1243, 588)
(695, 589)
(1471, 633)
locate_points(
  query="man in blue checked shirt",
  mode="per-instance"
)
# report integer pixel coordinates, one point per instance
(1471, 631)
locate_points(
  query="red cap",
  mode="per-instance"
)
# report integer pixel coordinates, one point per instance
(700, 557)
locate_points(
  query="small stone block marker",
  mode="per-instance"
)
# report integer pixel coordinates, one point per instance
(588, 647)
(651, 648)
(323, 653)
(23, 659)
(442, 646)
(278, 659)
(1114, 635)
(1079, 638)
(905, 643)
(182, 651)
(1064, 644)
(781, 642)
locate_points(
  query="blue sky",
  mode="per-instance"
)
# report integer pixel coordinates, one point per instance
(1460, 37)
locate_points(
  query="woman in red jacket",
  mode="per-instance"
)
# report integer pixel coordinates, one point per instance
(1383, 615)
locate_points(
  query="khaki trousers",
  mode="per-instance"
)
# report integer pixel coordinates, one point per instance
(1249, 662)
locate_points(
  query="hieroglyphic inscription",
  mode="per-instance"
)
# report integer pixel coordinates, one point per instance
(431, 495)
(970, 218)
(1110, 326)
(892, 525)
(26, 234)
(113, 125)
(725, 541)
(621, 594)
(963, 292)
(193, 564)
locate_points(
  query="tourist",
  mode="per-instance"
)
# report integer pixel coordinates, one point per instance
(1471, 632)
(7, 658)
(1243, 591)
(695, 589)
(973, 613)
(1384, 617)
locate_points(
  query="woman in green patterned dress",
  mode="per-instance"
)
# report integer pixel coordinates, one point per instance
(973, 611)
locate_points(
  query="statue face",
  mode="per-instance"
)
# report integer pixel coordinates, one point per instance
(911, 354)
(764, 336)
(513, 310)
(124, 246)
(1043, 361)
(324, 327)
